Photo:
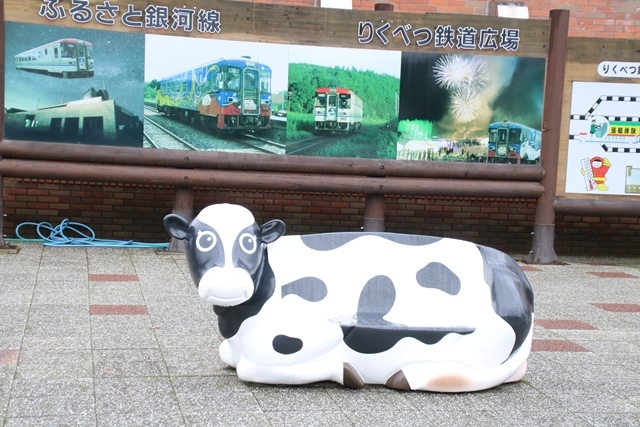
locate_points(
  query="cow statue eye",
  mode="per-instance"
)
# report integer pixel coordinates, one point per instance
(248, 243)
(206, 241)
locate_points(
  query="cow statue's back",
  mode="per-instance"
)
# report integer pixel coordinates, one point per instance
(408, 311)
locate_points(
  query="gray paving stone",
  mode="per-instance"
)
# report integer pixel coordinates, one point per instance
(36, 364)
(58, 421)
(115, 332)
(52, 402)
(139, 395)
(136, 419)
(112, 293)
(129, 363)
(390, 417)
(229, 418)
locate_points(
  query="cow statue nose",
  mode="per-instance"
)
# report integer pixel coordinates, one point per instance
(226, 287)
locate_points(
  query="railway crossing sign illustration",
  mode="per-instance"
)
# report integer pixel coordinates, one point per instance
(604, 139)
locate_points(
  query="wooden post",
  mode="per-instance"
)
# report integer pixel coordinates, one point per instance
(2, 244)
(374, 212)
(183, 206)
(374, 203)
(542, 251)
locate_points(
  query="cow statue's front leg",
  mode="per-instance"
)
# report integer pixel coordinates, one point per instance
(289, 348)
(327, 369)
(229, 355)
(324, 369)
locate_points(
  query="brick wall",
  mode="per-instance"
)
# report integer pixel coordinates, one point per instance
(128, 212)
(136, 212)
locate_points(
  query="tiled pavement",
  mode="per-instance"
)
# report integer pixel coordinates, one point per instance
(116, 337)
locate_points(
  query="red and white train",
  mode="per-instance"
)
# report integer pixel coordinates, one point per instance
(337, 109)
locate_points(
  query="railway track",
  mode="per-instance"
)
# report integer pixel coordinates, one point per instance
(261, 144)
(161, 137)
(306, 145)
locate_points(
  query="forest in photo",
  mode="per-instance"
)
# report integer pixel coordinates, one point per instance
(377, 138)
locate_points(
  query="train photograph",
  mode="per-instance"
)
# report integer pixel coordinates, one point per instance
(470, 108)
(66, 58)
(226, 94)
(73, 85)
(342, 102)
(214, 95)
(513, 143)
(337, 110)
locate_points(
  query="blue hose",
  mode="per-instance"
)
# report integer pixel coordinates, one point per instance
(87, 237)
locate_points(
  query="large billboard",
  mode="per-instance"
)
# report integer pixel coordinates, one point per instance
(604, 139)
(66, 83)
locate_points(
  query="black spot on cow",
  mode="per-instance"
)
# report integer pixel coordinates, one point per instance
(330, 241)
(309, 289)
(511, 293)
(376, 298)
(369, 333)
(287, 345)
(438, 276)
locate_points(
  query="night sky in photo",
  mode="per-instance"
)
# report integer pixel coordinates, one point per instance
(118, 60)
(512, 90)
(420, 96)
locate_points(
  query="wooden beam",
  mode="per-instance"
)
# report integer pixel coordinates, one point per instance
(39, 169)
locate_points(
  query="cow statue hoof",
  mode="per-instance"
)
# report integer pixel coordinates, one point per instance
(407, 311)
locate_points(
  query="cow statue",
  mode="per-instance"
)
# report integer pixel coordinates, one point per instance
(408, 311)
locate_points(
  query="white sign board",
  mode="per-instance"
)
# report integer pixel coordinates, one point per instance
(629, 70)
(604, 139)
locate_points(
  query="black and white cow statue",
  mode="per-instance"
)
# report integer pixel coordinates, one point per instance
(408, 311)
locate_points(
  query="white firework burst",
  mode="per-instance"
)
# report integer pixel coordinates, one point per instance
(465, 105)
(478, 77)
(456, 72)
(449, 71)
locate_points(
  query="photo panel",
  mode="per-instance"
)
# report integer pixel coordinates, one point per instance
(73, 85)
(214, 95)
(603, 155)
(343, 102)
(470, 108)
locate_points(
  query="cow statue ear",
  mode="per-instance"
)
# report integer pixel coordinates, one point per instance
(176, 225)
(272, 230)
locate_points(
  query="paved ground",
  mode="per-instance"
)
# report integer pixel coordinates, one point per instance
(116, 337)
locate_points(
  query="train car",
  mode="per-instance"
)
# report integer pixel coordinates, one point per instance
(511, 142)
(66, 58)
(226, 94)
(337, 109)
(617, 131)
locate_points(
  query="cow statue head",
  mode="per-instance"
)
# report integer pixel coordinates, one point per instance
(226, 251)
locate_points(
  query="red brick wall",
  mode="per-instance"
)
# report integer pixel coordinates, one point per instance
(132, 212)
(136, 212)
(113, 211)
(127, 212)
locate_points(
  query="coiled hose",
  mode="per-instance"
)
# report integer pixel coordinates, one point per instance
(57, 236)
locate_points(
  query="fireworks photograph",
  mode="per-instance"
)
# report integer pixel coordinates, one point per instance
(470, 108)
